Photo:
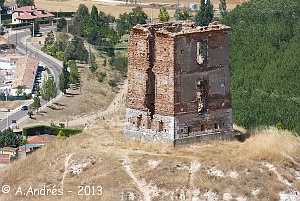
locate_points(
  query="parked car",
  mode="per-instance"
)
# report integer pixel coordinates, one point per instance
(24, 107)
(41, 68)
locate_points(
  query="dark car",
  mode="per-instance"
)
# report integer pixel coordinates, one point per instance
(24, 107)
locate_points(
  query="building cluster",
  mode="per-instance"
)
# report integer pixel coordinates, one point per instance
(18, 72)
(28, 14)
(9, 154)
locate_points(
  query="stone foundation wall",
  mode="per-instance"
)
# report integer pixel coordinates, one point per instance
(140, 126)
(177, 130)
(191, 125)
(203, 138)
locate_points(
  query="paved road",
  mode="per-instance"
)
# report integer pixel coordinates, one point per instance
(14, 116)
(19, 39)
(52, 63)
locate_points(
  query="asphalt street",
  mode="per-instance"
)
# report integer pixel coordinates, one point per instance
(19, 38)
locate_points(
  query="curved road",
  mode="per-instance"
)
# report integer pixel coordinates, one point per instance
(19, 39)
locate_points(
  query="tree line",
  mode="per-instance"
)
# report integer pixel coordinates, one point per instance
(265, 57)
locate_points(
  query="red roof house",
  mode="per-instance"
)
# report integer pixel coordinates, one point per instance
(37, 140)
(28, 14)
(5, 43)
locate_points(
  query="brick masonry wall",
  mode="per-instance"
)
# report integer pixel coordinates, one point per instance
(163, 91)
(164, 74)
(138, 63)
(215, 70)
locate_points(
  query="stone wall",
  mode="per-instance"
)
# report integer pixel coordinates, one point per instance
(139, 126)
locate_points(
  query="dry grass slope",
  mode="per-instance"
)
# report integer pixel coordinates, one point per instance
(135, 171)
(272, 145)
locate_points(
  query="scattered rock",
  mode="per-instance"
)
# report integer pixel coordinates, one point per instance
(255, 192)
(211, 196)
(233, 174)
(227, 196)
(279, 176)
(78, 165)
(241, 199)
(215, 172)
(153, 163)
(289, 195)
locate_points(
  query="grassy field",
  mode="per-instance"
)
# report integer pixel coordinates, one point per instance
(72, 5)
(122, 47)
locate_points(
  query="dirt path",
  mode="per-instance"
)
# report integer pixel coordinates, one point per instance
(115, 106)
(140, 185)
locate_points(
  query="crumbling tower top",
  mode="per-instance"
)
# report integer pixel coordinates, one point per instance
(180, 28)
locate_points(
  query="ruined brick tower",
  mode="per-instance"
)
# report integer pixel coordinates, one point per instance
(178, 83)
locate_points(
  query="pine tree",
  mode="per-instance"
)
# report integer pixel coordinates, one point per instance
(177, 14)
(36, 103)
(163, 15)
(64, 78)
(182, 14)
(223, 8)
(81, 13)
(205, 14)
(49, 40)
(94, 17)
(48, 90)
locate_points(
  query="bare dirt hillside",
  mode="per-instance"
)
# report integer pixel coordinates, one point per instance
(265, 167)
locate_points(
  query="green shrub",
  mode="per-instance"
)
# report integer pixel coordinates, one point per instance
(112, 83)
(61, 135)
(51, 130)
(48, 70)
(101, 76)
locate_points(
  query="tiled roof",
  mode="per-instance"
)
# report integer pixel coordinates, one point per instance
(4, 40)
(37, 140)
(26, 16)
(25, 72)
(8, 149)
(32, 12)
(28, 9)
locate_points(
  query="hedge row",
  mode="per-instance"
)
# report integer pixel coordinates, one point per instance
(17, 25)
(63, 14)
(26, 24)
(51, 130)
(5, 16)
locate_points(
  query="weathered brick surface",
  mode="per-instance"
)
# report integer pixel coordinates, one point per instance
(179, 83)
